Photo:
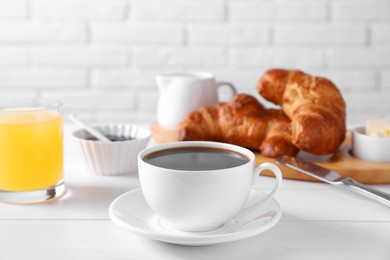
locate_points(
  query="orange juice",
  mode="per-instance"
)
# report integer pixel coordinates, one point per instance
(30, 150)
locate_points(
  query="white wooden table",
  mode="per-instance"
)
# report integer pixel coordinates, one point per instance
(318, 222)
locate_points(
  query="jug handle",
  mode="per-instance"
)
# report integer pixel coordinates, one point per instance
(230, 85)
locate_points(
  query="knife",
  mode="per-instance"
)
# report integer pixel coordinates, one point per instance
(332, 177)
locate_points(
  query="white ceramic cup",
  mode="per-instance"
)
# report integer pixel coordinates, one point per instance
(202, 200)
(182, 93)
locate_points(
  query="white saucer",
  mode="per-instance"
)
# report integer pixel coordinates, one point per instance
(131, 212)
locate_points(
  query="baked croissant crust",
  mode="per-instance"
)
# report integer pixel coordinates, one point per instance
(314, 105)
(242, 121)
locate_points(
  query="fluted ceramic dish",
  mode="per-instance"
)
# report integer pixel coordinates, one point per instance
(114, 158)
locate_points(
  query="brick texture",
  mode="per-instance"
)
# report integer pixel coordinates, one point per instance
(100, 57)
(137, 33)
(13, 10)
(320, 34)
(282, 11)
(79, 10)
(178, 10)
(362, 11)
(42, 79)
(40, 32)
(224, 34)
(11, 56)
(80, 55)
(381, 33)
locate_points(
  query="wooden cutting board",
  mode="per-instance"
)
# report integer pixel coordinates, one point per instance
(342, 162)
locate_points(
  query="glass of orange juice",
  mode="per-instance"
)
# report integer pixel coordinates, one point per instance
(31, 152)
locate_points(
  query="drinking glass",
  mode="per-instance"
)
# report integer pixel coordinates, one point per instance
(31, 150)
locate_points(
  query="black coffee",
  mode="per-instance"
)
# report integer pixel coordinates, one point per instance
(196, 158)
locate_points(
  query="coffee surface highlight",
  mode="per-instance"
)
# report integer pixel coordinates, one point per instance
(196, 159)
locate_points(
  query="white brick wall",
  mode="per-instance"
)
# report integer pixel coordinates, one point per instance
(79, 10)
(13, 10)
(137, 32)
(100, 57)
(30, 32)
(42, 79)
(80, 55)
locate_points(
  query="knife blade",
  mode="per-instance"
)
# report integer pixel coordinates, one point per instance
(311, 169)
(332, 177)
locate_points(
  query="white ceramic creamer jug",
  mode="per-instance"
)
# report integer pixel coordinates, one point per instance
(181, 93)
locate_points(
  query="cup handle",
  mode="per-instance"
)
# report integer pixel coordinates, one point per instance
(230, 85)
(249, 212)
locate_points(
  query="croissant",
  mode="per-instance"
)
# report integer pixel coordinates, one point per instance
(243, 121)
(314, 105)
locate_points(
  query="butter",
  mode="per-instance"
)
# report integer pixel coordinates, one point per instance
(378, 128)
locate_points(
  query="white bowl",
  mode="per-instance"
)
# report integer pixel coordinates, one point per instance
(370, 148)
(115, 158)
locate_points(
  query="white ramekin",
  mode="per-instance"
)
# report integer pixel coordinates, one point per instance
(370, 148)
